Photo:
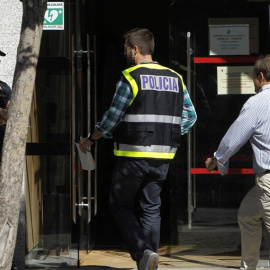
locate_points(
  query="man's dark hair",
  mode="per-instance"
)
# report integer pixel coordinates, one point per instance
(263, 65)
(142, 38)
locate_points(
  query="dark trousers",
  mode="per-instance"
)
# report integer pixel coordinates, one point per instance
(139, 179)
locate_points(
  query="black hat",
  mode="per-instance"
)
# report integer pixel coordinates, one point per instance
(2, 53)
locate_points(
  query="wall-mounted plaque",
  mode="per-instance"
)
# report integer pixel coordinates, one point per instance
(253, 23)
(235, 80)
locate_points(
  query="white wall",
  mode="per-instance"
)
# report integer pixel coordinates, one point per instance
(10, 27)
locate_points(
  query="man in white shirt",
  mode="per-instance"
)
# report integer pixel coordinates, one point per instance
(253, 124)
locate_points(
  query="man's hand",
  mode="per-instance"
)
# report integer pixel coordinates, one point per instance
(84, 145)
(211, 164)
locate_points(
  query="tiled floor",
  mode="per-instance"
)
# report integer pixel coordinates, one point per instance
(214, 247)
(211, 247)
(170, 258)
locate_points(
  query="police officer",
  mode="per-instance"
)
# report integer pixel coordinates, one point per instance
(150, 110)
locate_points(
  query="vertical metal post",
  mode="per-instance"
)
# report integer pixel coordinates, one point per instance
(89, 178)
(189, 159)
(73, 132)
(95, 121)
(194, 179)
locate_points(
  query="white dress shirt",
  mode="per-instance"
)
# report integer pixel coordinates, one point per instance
(253, 124)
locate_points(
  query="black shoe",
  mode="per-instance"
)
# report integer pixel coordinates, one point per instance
(149, 261)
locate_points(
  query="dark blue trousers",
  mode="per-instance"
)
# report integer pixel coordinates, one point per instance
(138, 180)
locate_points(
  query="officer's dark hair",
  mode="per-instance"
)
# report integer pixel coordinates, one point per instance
(262, 65)
(142, 38)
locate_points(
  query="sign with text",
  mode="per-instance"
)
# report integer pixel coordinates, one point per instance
(54, 16)
(253, 23)
(235, 80)
(229, 39)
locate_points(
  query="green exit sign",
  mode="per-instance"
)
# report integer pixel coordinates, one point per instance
(54, 16)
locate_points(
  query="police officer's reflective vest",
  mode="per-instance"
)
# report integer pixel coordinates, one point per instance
(151, 126)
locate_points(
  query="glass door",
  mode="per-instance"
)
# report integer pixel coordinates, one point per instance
(206, 204)
(60, 197)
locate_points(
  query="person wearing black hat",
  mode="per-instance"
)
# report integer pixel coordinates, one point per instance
(5, 93)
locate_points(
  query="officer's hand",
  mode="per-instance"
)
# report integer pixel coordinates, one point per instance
(84, 145)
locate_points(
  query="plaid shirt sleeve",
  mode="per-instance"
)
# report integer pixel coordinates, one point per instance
(189, 115)
(120, 103)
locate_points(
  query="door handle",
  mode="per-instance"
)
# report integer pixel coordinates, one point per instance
(80, 202)
(95, 119)
(89, 212)
(77, 178)
(73, 155)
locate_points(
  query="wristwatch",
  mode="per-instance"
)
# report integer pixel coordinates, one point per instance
(89, 137)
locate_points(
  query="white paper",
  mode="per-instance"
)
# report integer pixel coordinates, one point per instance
(87, 160)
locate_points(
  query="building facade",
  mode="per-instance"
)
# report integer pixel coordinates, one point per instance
(10, 27)
(81, 58)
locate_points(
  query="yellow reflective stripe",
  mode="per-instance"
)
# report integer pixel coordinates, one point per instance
(144, 154)
(183, 85)
(133, 84)
(157, 66)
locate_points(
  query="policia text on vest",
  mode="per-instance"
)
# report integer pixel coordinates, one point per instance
(159, 83)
